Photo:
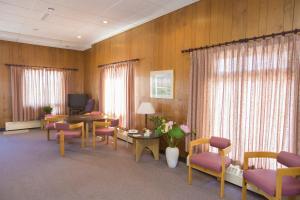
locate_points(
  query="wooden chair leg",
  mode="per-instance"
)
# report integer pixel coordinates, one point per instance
(94, 141)
(107, 139)
(62, 144)
(190, 175)
(222, 186)
(48, 134)
(244, 189)
(115, 142)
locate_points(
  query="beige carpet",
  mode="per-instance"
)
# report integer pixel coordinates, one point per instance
(31, 169)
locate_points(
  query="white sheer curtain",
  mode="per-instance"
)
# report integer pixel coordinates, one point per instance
(116, 95)
(33, 88)
(249, 93)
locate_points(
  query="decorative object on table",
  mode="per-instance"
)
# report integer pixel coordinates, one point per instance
(146, 108)
(161, 84)
(47, 110)
(174, 133)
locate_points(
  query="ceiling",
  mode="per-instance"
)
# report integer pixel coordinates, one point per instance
(30, 21)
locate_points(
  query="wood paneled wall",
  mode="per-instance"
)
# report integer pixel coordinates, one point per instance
(18, 53)
(158, 43)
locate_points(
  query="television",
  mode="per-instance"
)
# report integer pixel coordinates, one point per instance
(77, 100)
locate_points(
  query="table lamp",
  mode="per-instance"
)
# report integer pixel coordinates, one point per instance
(146, 108)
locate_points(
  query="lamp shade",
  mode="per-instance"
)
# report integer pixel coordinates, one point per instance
(146, 108)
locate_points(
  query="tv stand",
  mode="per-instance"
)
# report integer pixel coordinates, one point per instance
(75, 111)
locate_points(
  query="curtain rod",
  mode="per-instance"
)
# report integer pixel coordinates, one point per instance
(295, 31)
(16, 65)
(130, 60)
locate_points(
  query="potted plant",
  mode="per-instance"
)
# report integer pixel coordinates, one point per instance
(47, 110)
(174, 133)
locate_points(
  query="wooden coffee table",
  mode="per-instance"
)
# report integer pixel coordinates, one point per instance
(141, 142)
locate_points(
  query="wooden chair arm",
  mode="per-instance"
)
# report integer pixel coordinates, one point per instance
(291, 171)
(75, 126)
(197, 142)
(226, 151)
(258, 154)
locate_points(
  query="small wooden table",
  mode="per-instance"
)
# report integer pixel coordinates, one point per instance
(141, 142)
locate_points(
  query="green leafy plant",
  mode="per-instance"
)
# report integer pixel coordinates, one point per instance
(47, 109)
(173, 132)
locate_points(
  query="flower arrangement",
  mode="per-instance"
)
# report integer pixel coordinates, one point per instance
(174, 132)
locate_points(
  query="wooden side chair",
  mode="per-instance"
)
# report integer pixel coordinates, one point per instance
(211, 163)
(106, 129)
(273, 184)
(69, 131)
(50, 123)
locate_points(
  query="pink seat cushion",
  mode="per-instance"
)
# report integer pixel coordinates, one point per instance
(209, 160)
(50, 126)
(105, 131)
(265, 179)
(70, 134)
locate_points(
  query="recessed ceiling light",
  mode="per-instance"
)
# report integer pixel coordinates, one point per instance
(50, 10)
(105, 22)
(79, 36)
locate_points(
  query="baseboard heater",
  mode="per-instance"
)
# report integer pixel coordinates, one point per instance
(12, 126)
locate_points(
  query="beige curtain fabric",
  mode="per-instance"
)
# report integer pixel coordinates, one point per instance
(116, 92)
(34, 88)
(249, 93)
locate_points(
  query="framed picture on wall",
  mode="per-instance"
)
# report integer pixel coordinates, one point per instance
(161, 84)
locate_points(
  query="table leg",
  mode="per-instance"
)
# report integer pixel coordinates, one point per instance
(151, 144)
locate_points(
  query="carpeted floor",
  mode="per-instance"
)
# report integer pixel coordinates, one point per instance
(31, 169)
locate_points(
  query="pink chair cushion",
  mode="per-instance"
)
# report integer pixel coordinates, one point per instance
(105, 131)
(209, 160)
(288, 159)
(50, 126)
(70, 134)
(265, 180)
(62, 126)
(219, 142)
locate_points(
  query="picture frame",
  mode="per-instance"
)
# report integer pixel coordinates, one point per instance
(162, 84)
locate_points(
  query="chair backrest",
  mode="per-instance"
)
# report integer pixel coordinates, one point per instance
(288, 159)
(114, 122)
(101, 124)
(89, 106)
(218, 142)
(62, 126)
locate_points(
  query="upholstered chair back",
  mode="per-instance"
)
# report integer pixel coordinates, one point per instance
(288, 159)
(89, 106)
(114, 122)
(218, 142)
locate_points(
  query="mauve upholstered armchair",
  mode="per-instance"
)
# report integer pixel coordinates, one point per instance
(273, 184)
(211, 163)
(69, 131)
(106, 129)
(50, 121)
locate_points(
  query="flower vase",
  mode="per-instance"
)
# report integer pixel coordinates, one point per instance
(172, 154)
